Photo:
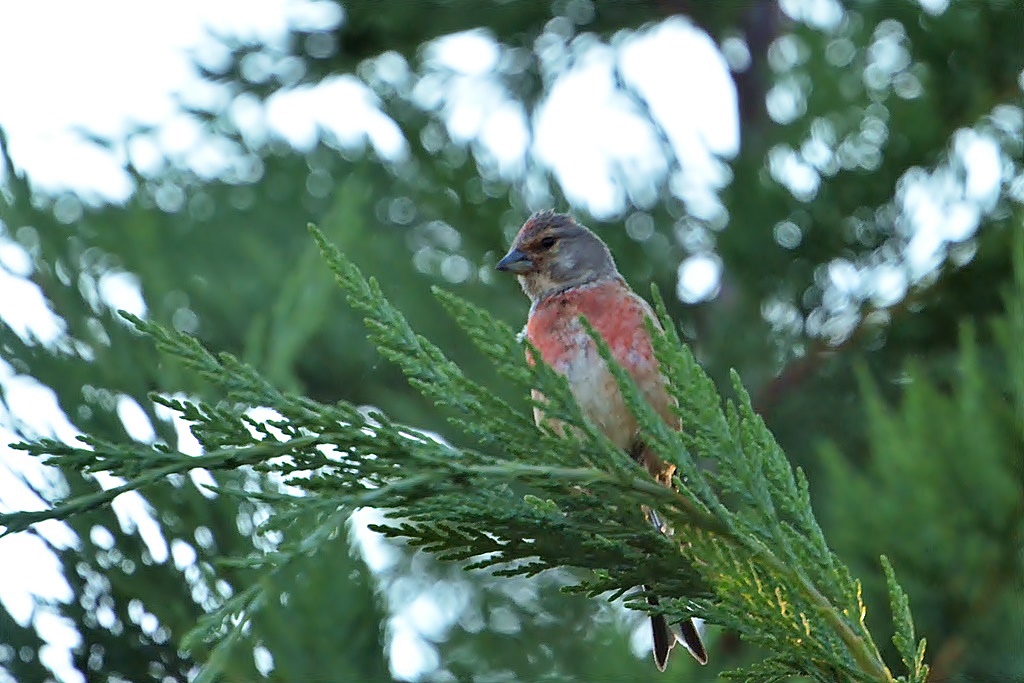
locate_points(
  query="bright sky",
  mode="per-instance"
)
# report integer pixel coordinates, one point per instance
(107, 65)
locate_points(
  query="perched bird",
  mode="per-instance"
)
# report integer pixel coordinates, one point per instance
(568, 272)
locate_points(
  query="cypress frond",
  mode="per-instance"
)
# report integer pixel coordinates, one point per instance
(747, 552)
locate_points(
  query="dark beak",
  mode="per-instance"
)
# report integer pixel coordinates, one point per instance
(515, 261)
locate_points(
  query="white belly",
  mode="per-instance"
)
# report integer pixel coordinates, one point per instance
(598, 396)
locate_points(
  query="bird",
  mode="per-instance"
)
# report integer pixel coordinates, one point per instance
(567, 271)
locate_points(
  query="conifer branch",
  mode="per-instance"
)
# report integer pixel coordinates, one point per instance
(661, 437)
(747, 552)
(177, 463)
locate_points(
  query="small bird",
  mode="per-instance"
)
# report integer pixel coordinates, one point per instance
(568, 272)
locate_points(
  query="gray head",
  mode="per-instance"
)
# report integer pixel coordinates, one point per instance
(552, 252)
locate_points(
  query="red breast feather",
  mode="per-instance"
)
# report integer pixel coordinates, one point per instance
(617, 314)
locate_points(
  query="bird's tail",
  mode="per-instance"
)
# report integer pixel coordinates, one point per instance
(663, 638)
(686, 632)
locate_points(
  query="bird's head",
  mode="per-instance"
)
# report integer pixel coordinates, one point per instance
(552, 252)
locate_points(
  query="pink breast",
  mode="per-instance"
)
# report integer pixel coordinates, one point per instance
(618, 316)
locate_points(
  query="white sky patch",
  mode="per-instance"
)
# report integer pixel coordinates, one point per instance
(109, 65)
(941, 208)
(204, 482)
(34, 408)
(410, 655)
(599, 144)
(18, 588)
(683, 76)
(472, 53)
(796, 175)
(37, 575)
(427, 616)
(340, 105)
(888, 286)
(122, 291)
(377, 551)
(506, 135)
(476, 107)
(934, 6)
(183, 554)
(983, 161)
(469, 103)
(264, 415)
(699, 278)
(21, 474)
(135, 420)
(14, 259)
(590, 135)
(134, 514)
(22, 305)
(188, 444)
(263, 660)
(61, 636)
(823, 14)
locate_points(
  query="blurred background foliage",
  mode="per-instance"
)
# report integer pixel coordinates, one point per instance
(866, 218)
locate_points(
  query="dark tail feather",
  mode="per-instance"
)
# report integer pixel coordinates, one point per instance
(663, 638)
(691, 639)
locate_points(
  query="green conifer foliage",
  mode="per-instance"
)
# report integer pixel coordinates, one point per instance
(747, 552)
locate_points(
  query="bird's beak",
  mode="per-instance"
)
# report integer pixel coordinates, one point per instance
(515, 261)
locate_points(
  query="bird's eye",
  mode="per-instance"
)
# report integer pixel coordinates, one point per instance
(547, 242)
